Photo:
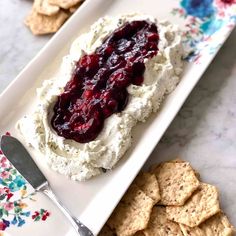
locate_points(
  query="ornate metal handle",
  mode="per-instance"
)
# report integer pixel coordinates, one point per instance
(78, 226)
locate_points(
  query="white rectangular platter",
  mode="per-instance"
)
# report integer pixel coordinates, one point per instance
(93, 201)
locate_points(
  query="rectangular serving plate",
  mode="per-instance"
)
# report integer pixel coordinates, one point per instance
(93, 201)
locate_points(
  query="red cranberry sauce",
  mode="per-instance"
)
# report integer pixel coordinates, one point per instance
(98, 87)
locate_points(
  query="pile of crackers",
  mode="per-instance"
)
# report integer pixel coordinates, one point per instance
(47, 16)
(169, 200)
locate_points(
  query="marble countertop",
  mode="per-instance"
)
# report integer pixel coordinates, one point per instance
(204, 131)
(17, 45)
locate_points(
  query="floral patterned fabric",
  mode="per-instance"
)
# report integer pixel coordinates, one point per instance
(14, 191)
(204, 20)
(198, 8)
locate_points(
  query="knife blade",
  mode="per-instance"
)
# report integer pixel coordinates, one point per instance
(17, 154)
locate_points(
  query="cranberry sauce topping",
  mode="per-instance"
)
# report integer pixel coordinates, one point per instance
(98, 87)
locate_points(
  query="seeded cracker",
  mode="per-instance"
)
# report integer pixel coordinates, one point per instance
(45, 8)
(159, 225)
(66, 4)
(148, 183)
(217, 225)
(191, 231)
(202, 205)
(132, 213)
(177, 181)
(106, 231)
(41, 24)
(178, 160)
(139, 233)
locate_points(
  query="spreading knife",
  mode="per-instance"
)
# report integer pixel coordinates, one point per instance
(22, 161)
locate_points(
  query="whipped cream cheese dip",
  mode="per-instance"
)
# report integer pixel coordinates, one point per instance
(81, 161)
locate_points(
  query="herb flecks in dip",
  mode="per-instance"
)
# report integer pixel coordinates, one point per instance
(98, 87)
(159, 76)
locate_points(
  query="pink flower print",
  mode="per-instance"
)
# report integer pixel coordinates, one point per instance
(5, 174)
(7, 190)
(193, 20)
(197, 59)
(2, 191)
(181, 11)
(224, 3)
(4, 163)
(8, 206)
(193, 31)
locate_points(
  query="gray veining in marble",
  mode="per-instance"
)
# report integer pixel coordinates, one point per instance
(204, 131)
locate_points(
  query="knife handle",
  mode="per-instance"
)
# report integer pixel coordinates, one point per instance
(78, 226)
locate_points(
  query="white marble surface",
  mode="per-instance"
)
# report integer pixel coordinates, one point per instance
(204, 132)
(17, 45)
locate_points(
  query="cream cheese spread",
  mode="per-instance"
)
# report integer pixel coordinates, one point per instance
(81, 161)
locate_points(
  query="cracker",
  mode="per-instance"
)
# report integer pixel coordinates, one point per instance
(191, 231)
(139, 233)
(132, 213)
(178, 160)
(147, 182)
(45, 8)
(106, 231)
(65, 4)
(153, 167)
(203, 204)
(177, 182)
(74, 8)
(159, 225)
(41, 24)
(216, 225)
